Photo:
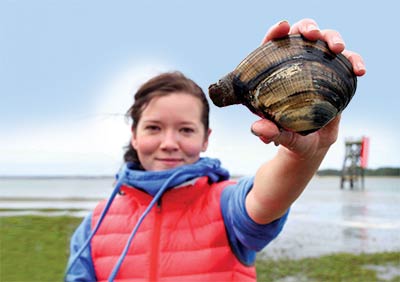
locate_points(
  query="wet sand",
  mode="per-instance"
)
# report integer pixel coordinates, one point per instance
(326, 219)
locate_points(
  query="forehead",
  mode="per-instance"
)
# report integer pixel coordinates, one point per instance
(175, 98)
(174, 103)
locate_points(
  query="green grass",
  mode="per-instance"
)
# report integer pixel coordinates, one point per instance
(336, 267)
(41, 210)
(34, 248)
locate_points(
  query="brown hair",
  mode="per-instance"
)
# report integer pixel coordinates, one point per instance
(163, 85)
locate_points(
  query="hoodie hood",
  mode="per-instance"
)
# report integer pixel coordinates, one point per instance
(152, 181)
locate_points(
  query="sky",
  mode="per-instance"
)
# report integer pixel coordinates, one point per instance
(69, 69)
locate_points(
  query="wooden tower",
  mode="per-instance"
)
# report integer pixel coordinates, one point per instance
(355, 161)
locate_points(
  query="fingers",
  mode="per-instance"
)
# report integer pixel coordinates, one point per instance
(268, 132)
(333, 39)
(308, 28)
(357, 62)
(280, 29)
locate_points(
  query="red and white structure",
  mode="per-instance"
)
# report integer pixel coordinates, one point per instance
(355, 161)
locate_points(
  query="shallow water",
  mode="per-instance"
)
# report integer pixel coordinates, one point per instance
(324, 220)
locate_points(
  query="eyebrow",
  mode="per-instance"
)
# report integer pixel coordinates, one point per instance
(151, 120)
(157, 121)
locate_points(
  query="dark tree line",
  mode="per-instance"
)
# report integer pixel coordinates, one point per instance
(383, 171)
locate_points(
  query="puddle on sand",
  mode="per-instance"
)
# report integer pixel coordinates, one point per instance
(385, 272)
(296, 278)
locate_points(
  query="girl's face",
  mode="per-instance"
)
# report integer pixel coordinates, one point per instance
(170, 132)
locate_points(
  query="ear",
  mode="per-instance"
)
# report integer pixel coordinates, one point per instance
(133, 139)
(205, 144)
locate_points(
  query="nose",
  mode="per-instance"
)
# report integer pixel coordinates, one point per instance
(170, 141)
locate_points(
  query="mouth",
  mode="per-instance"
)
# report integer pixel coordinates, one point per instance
(170, 162)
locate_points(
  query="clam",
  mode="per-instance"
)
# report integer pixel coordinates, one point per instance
(298, 84)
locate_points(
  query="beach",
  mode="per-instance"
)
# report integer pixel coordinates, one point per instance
(324, 220)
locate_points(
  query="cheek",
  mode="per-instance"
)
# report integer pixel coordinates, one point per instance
(146, 146)
(192, 148)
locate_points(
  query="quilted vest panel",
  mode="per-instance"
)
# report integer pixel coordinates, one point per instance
(183, 238)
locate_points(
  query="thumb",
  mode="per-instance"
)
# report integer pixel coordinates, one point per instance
(266, 130)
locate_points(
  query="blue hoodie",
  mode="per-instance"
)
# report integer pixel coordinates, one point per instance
(245, 236)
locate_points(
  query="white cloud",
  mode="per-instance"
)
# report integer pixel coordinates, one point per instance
(116, 94)
(243, 153)
(239, 151)
(382, 148)
(91, 144)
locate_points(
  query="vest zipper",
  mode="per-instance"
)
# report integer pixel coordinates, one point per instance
(155, 243)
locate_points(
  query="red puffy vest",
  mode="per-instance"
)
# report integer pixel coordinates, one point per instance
(181, 239)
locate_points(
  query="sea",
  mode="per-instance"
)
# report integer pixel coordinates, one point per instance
(325, 219)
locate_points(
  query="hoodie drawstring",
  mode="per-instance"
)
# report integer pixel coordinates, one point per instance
(212, 170)
(117, 266)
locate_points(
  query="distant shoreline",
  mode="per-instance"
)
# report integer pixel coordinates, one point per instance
(383, 171)
(378, 172)
(112, 178)
(47, 177)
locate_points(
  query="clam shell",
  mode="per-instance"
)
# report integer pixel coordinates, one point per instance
(298, 84)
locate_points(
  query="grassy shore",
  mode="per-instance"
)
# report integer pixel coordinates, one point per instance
(34, 248)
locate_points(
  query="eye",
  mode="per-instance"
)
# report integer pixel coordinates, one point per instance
(152, 128)
(187, 130)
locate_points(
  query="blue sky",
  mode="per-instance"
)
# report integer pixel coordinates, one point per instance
(69, 69)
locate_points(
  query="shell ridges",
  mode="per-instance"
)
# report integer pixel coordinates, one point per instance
(299, 84)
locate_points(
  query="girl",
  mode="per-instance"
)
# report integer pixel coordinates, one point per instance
(174, 216)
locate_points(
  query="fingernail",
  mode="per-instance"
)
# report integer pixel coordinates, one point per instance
(283, 22)
(337, 40)
(265, 140)
(360, 66)
(312, 27)
(254, 133)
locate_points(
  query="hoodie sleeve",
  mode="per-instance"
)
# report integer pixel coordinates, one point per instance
(246, 236)
(82, 269)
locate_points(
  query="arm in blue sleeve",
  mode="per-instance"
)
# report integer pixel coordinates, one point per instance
(82, 270)
(246, 236)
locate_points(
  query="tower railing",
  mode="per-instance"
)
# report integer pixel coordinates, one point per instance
(355, 160)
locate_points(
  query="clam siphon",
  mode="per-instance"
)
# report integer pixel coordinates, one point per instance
(298, 84)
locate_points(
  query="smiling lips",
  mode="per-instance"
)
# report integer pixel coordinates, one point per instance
(170, 161)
